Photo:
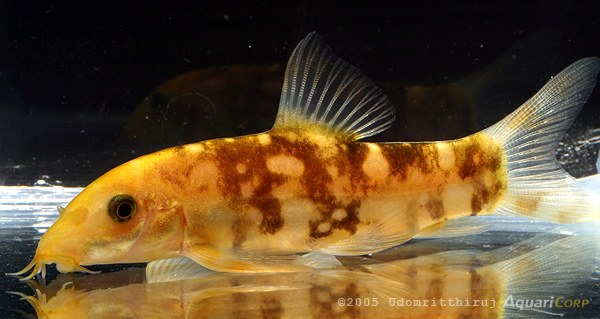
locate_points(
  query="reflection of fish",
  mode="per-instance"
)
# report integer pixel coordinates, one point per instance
(199, 105)
(254, 202)
(452, 285)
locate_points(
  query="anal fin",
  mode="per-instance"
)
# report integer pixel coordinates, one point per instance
(368, 240)
(240, 261)
(455, 228)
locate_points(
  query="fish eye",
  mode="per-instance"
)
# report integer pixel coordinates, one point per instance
(122, 208)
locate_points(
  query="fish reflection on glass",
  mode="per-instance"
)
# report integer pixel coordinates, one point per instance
(457, 284)
(254, 203)
(198, 104)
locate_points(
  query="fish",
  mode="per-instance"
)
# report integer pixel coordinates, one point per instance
(314, 185)
(437, 282)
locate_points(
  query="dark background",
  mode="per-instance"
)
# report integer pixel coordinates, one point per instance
(71, 72)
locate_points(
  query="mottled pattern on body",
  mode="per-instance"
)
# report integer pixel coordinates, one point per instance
(279, 190)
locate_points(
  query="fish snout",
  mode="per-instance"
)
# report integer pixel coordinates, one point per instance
(39, 262)
(55, 248)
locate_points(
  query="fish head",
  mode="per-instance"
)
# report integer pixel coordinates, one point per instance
(128, 301)
(116, 219)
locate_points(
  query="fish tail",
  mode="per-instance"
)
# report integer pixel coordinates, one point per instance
(591, 184)
(537, 186)
(552, 273)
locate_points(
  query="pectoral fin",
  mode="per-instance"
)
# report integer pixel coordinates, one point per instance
(245, 261)
(174, 269)
(368, 240)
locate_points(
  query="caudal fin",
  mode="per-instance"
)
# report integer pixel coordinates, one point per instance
(538, 186)
(591, 183)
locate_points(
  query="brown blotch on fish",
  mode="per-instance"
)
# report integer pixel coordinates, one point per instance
(494, 162)
(401, 158)
(270, 208)
(239, 297)
(472, 161)
(351, 291)
(435, 289)
(323, 300)
(477, 285)
(412, 272)
(243, 162)
(180, 151)
(177, 177)
(484, 196)
(435, 207)
(239, 230)
(481, 289)
(412, 216)
(271, 308)
(480, 197)
(316, 178)
(351, 156)
(325, 305)
(472, 158)
(347, 223)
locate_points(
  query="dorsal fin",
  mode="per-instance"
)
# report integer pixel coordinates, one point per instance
(322, 91)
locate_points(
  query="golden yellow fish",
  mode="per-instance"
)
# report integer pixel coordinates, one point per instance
(444, 285)
(254, 203)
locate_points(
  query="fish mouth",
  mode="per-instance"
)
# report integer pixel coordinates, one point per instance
(39, 262)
